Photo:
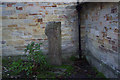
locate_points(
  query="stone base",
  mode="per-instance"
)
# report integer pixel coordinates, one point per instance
(54, 60)
(101, 67)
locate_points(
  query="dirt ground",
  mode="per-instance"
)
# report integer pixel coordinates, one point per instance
(80, 68)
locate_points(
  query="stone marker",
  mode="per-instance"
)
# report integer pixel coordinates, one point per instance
(53, 32)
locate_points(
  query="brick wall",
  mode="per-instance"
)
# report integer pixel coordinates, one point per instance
(99, 22)
(25, 22)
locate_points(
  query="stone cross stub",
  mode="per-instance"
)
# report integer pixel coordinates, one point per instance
(53, 32)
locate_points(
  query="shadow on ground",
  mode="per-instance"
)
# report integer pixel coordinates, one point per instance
(78, 69)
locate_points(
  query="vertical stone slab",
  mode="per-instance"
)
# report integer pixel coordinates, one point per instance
(53, 32)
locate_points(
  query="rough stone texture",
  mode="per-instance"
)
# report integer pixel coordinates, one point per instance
(101, 67)
(53, 32)
(100, 22)
(23, 22)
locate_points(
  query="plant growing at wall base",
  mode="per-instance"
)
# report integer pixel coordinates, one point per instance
(35, 55)
(35, 60)
(19, 66)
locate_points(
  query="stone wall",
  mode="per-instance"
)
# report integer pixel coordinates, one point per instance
(26, 21)
(99, 22)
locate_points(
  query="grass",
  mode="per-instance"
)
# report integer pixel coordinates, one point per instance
(73, 58)
(68, 69)
(99, 74)
(50, 73)
(46, 75)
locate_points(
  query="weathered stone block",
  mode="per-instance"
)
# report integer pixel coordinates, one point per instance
(9, 5)
(4, 17)
(14, 25)
(22, 16)
(53, 32)
(19, 8)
